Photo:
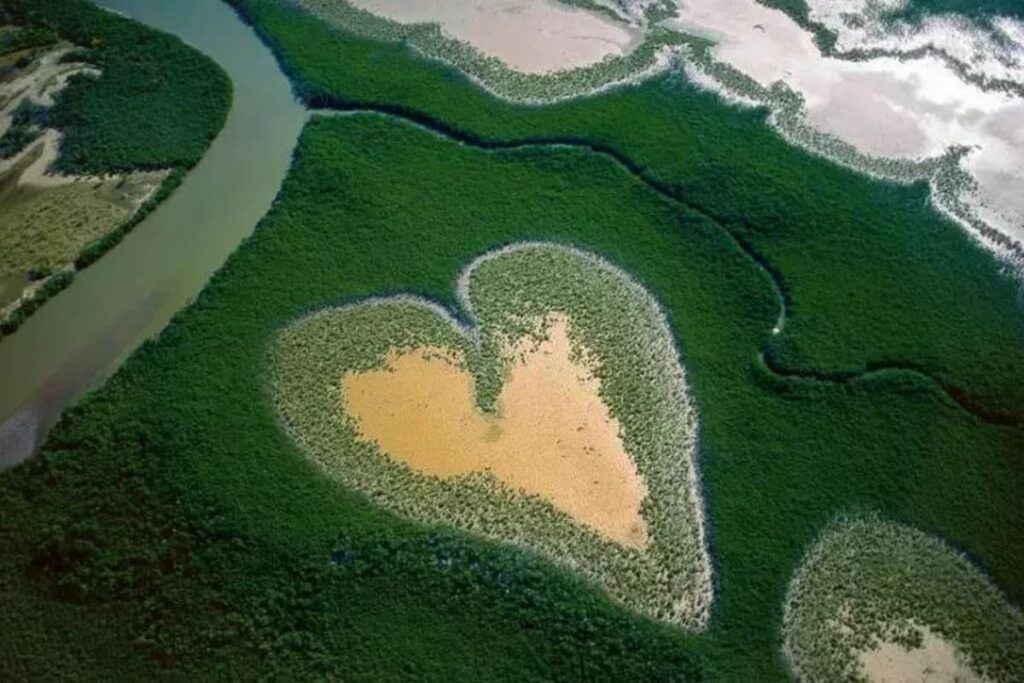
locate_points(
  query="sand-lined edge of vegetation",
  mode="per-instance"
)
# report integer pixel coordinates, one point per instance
(655, 52)
(953, 188)
(509, 295)
(48, 220)
(876, 600)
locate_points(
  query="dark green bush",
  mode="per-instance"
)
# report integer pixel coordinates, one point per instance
(26, 38)
(157, 103)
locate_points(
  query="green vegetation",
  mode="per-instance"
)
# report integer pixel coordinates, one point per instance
(155, 106)
(869, 580)
(507, 296)
(172, 498)
(13, 39)
(865, 265)
(170, 524)
(157, 103)
(22, 132)
(46, 229)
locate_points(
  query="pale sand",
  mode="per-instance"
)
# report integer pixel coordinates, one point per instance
(936, 661)
(41, 154)
(552, 435)
(46, 148)
(39, 83)
(885, 107)
(531, 36)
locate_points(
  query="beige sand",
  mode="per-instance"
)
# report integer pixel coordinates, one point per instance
(531, 36)
(38, 83)
(936, 661)
(45, 150)
(552, 435)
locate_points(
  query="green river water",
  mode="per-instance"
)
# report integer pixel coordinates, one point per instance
(83, 334)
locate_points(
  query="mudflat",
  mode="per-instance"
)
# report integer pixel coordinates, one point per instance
(531, 36)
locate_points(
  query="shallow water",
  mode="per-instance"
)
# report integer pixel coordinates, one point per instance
(552, 435)
(83, 334)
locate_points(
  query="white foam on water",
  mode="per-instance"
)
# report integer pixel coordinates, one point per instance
(992, 52)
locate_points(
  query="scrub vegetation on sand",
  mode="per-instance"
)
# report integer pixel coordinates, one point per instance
(982, 11)
(869, 584)
(508, 296)
(107, 117)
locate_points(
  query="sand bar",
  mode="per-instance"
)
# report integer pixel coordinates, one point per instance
(936, 661)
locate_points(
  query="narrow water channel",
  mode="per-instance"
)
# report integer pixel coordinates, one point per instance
(81, 336)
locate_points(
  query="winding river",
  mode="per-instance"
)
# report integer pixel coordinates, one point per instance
(83, 334)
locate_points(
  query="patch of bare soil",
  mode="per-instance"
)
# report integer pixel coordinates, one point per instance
(552, 435)
(531, 36)
(936, 661)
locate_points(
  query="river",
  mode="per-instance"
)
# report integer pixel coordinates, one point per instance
(82, 335)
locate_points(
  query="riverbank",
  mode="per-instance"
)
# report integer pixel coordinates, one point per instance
(81, 336)
(89, 109)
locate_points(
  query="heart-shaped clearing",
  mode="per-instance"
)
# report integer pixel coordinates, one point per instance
(551, 436)
(559, 421)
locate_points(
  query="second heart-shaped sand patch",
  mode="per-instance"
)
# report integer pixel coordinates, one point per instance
(558, 420)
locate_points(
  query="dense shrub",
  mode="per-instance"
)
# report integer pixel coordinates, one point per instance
(26, 38)
(867, 265)
(170, 507)
(156, 104)
(173, 498)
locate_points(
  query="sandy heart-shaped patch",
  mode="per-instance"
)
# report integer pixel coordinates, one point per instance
(551, 435)
(558, 420)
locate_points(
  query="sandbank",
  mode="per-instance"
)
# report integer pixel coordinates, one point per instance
(901, 106)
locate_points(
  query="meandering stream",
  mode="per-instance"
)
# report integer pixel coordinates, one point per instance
(81, 336)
